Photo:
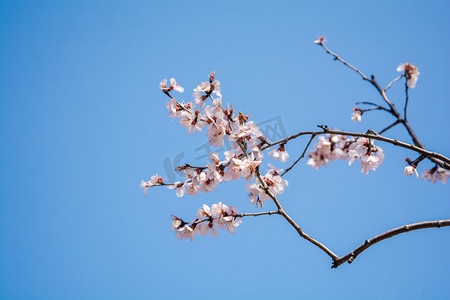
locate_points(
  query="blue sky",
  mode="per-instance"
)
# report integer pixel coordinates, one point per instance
(82, 121)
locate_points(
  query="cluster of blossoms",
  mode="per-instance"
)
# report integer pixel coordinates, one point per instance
(275, 185)
(335, 147)
(433, 175)
(245, 155)
(320, 40)
(154, 181)
(207, 221)
(436, 173)
(241, 161)
(411, 72)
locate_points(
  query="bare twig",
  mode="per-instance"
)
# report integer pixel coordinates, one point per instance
(389, 127)
(367, 103)
(390, 83)
(336, 57)
(388, 234)
(301, 156)
(379, 107)
(407, 98)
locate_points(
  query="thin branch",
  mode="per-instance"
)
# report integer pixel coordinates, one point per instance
(407, 98)
(367, 103)
(390, 83)
(389, 127)
(336, 57)
(284, 141)
(196, 222)
(388, 234)
(376, 105)
(273, 212)
(301, 156)
(418, 160)
(379, 107)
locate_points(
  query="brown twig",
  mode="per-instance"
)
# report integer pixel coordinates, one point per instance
(336, 57)
(407, 98)
(389, 127)
(301, 156)
(390, 83)
(388, 234)
(274, 212)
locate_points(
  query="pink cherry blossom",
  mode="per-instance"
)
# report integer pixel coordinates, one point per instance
(430, 175)
(163, 85)
(410, 170)
(175, 86)
(411, 72)
(233, 171)
(356, 116)
(155, 180)
(185, 232)
(178, 187)
(193, 122)
(320, 40)
(203, 87)
(175, 109)
(248, 170)
(442, 174)
(215, 134)
(279, 153)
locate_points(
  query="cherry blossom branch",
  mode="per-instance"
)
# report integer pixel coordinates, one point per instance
(444, 161)
(247, 135)
(274, 212)
(388, 234)
(382, 92)
(301, 156)
(285, 215)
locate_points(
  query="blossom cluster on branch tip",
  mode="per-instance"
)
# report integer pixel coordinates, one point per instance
(433, 175)
(221, 122)
(411, 72)
(279, 153)
(155, 180)
(173, 86)
(356, 115)
(275, 185)
(335, 147)
(436, 173)
(208, 221)
(410, 170)
(320, 40)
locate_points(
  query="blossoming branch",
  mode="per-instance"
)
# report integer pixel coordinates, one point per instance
(245, 159)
